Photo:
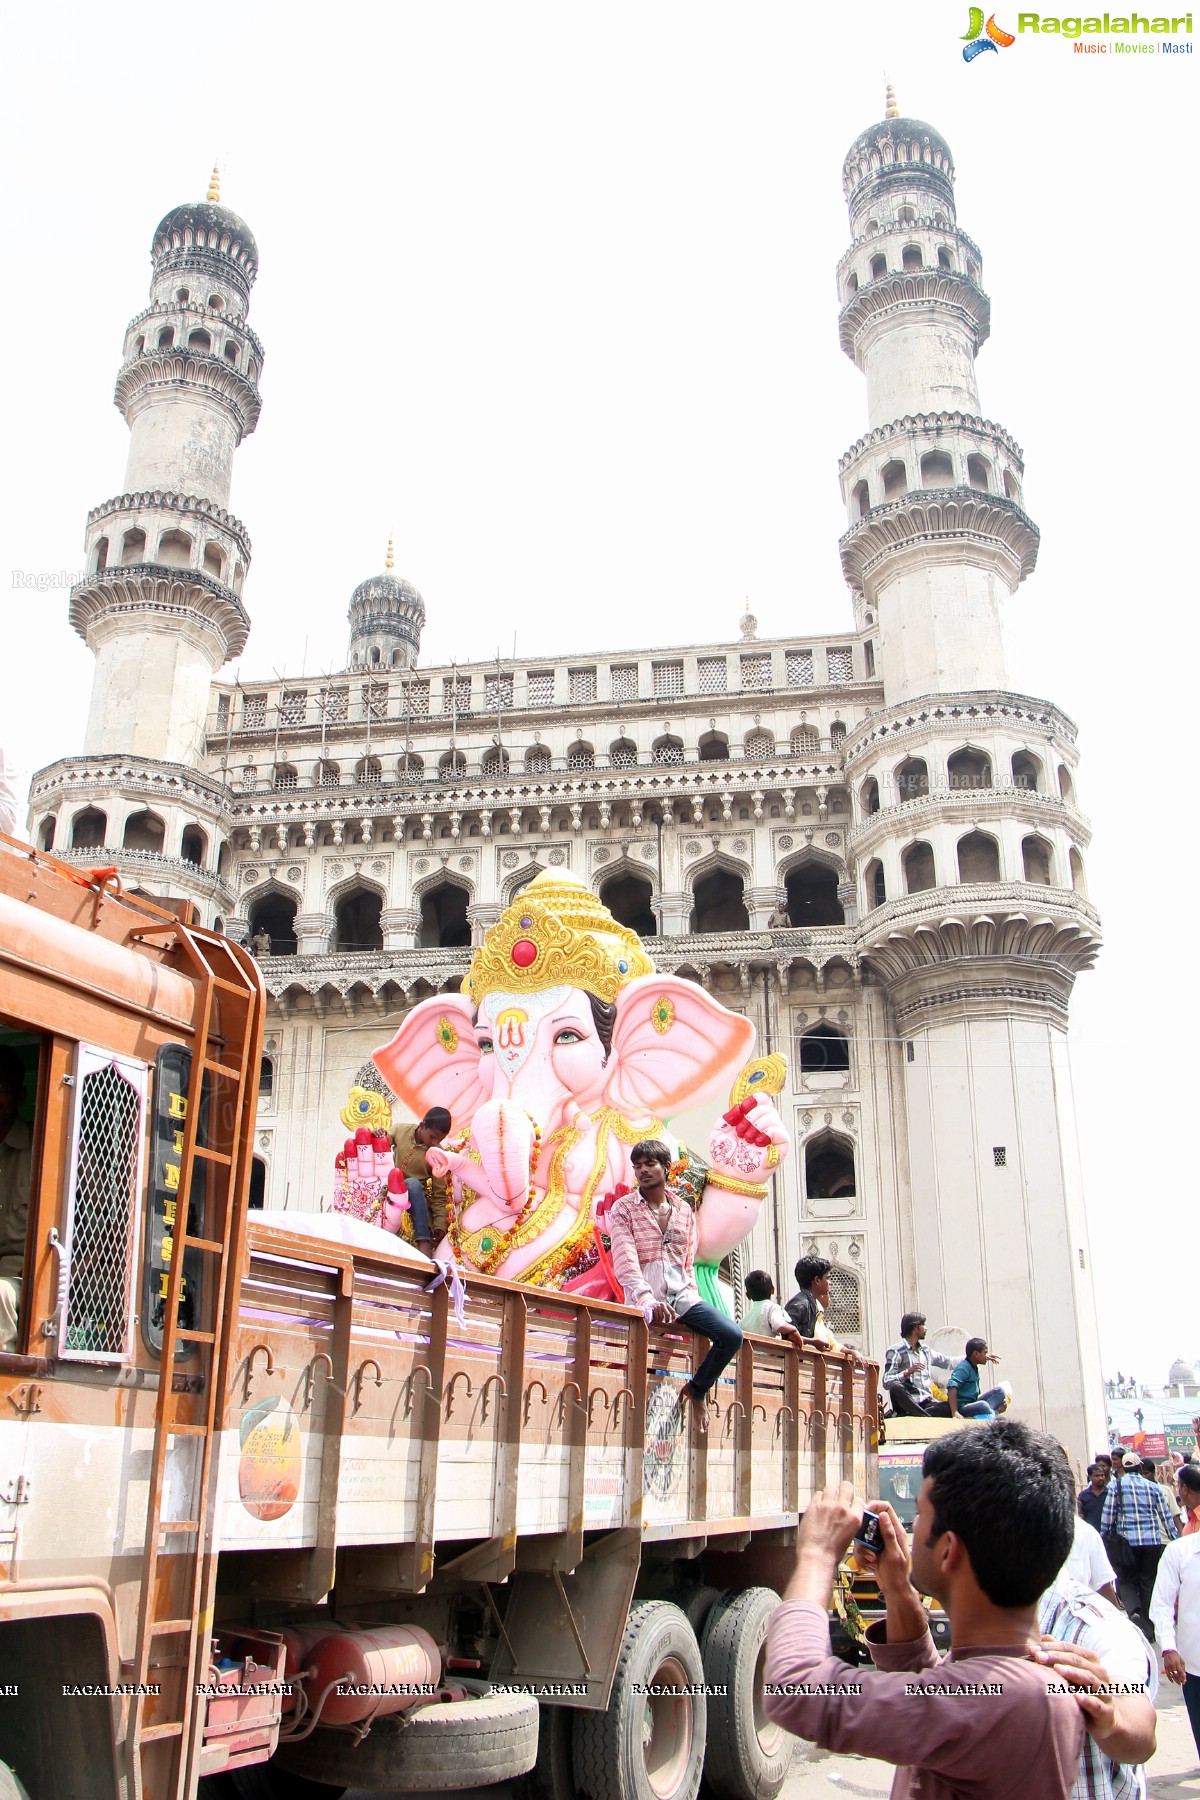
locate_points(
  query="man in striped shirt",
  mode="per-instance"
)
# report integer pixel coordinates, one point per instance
(1121, 1722)
(1138, 1509)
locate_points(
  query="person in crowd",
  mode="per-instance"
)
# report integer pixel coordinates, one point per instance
(963, 1393)
(1138, 1511)
(908, 1372)
(764, 1313)
(260, 943)
(1091, 1498)
(16, 1182)
(653, 1241)
(993, 1527)
(426, 1191)
(807, 1305)
(1087, 1561)
(779, 919)
(1188, 1489)
(1122, 1738)
(1175, 1613)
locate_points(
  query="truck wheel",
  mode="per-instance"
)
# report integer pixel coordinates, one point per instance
(748, 1757)
(647, 1746)
(695, 1603)
(461, 1744)
(552, 1776)
(11, 1786)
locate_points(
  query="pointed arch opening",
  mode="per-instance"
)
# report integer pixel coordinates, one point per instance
(919, 871)
(912, 779)
(273, 915)
(969, 769)
(444, 923)
(358, 926)
(719, 902)
(630, 900)
(978, 857)
(1037, 859)
(144, 831)
(824, 1050)
(875, 883)
(1027, 772)
(829, 1166)
(812, 894)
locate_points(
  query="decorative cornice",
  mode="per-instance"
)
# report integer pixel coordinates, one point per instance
(927, 515)
(170, 783)
(174, 309)
(1015, 919)
(150, 863)
(901, 291)
(159, 500)
(199, 369)
(950, 715)
(926, 223)
(140, 588)
(935, 424)
(913, 817)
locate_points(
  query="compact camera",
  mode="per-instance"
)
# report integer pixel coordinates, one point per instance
(869, 1535)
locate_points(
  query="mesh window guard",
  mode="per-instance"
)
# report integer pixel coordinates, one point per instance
(844, 1312)
(105, 1184)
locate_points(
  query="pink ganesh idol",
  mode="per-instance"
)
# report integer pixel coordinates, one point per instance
(563, 1050)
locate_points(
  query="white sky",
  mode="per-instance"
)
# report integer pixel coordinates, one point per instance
(551, 290)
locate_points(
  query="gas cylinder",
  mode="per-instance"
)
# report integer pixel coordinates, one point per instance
(382, 1669)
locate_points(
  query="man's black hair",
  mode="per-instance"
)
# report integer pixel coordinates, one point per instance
(13, 1073)
(974, 1344)
(759, 1285)
(1007, 1493)
(1148, 1469)
(1189, 1478)
(909, 1323)
(437, 1119)
(1092, 1467)
(811, 1268)
(652, 1150)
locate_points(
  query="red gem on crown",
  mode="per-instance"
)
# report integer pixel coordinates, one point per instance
(524, 953)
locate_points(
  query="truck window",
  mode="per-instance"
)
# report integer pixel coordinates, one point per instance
(104, 1187)
(20, 1055)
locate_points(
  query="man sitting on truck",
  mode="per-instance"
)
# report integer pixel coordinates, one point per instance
(998, 1717)
(426, 1191)
(16, 1178)
(908, 1372)
(966, 1401)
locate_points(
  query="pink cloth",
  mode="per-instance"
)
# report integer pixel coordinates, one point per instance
(1018, 1743)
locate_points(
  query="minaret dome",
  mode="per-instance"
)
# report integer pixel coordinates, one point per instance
(386, 616)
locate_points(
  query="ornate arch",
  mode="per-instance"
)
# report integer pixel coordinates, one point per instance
(272, 885)
(710, 862)
(625, 865)
(512, 884)
(810, 853)
(442, 878)
(348, 884)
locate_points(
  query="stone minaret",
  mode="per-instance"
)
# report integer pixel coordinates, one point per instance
(386, 616)
(161, 603)
(967, 844)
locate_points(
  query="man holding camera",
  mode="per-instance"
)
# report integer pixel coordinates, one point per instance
(1004, 1714)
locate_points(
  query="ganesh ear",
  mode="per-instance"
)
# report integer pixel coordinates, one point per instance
(433, 1060)
(672, 1043)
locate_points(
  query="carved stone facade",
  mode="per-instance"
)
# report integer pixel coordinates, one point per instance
(917, 821)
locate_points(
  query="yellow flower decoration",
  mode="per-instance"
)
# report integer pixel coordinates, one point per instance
(662, 1015)
(366, 1107)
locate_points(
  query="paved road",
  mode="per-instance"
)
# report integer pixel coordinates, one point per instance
(1174, 1773)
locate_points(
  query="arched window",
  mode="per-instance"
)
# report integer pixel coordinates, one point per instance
(912, 258)
(194, 845)
(410, 768)
(374, 656)
(1078, 878)
(978, 857)
(812, 896)
(719, 903)
(937, 470)
(979, 474)
(759, 744)
(969, 769)
(894, 476)
(46, 834)
(630, 901)
(580, 756)
(851, 284)
(868, 795)
(623, 754)
(824, 1050)
(89, 829)
(1037, 857)
(258, 1184)
(214, 561)
(495, 761)
(714, 747)
(444, 923)
(328, 774)
(1027, 772)
(369, 772)
(829, 1166)
(666, 750)
(843, 1314)
(182, 295)
(906, 215)
(133, 547)
(912, 779)
(199, 340)
(1012, 487)
(805, 741)
(452, 766)
(1066, 786)
(357, 924)
(537, 760)
(285, 778)
(878, 267)
(174, 550)
(919, 873)
(837, 735)
(215, 303)
(231, 352)
(873, 881)
(861, 500)
(275, 917)
(945, 260)
(101, 559)
(144, 831)
(266, 1078)
(166, 338)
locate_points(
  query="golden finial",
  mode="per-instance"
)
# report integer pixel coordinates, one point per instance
(391, 554)
(214, 185)
(893, 111)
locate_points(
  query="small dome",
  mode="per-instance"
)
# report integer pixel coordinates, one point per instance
(205, 227)
(1181, 1371)
(381, 593)
(386, 616)
(897, 149)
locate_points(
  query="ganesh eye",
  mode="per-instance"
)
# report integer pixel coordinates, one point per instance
(568, 1035)
(486, 1046)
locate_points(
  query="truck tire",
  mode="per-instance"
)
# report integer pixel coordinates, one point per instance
(647, 1747)
(461, 1744)
(695, 1603)
(747, 1757)
(552, 1776)
(11, 1786)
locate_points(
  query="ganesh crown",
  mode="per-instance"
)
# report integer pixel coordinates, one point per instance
(556, 933)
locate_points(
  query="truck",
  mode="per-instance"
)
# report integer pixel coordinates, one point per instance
(278, 1517)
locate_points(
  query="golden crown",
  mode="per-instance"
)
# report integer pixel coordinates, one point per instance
(556, 933)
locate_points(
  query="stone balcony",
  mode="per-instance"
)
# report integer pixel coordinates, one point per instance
(912, 818)
(142, 865)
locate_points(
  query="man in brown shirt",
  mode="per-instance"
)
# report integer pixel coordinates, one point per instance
(16, 1177)
(1002, 1717)
(426, 1191)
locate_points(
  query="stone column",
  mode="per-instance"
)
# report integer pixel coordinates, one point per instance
(312, 933)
